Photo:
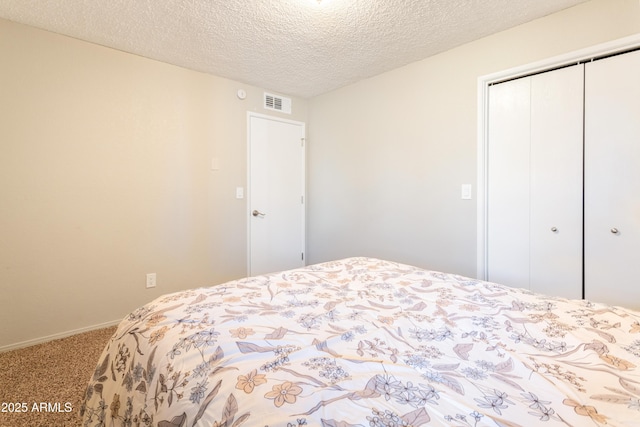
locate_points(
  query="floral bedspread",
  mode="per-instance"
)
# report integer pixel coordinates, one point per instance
(366, 342)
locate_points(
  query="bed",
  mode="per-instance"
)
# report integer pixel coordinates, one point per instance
(367, 342)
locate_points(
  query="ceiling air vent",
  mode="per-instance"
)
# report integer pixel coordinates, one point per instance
(277, 103)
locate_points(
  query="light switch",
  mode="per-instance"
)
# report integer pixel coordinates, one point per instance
(239, 192)
(466, 191)
(215, 164)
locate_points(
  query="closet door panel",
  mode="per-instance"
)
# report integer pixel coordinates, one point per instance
(508, 183)
(612, 180)
(556, 182)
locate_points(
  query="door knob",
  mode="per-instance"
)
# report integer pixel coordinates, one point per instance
(554, 229)
(257, 213)
(615, 231)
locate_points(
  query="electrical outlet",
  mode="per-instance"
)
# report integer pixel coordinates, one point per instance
(151, 280)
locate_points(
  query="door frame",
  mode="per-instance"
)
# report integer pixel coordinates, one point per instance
(250, 115)
(586, 54)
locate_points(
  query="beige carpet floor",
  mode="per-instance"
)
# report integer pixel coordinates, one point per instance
(46, 382)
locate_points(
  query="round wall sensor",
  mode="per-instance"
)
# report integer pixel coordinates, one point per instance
(242, 94)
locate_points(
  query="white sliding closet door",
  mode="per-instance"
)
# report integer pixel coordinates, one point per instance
(534, 192)
(556, 182)
(508, 183)
(612, 180)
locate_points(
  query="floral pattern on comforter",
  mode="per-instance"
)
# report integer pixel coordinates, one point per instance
(366, 342)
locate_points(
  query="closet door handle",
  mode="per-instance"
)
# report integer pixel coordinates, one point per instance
(615, 231)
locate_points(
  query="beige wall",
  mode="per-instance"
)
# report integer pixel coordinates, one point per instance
(105, 176)
(387, 156)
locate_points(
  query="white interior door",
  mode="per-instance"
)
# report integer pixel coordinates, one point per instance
(276, 194)
(556, 182)
(534, 183)
(508, 176)
(612, 180)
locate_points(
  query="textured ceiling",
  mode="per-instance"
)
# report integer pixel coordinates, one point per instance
(293, 47)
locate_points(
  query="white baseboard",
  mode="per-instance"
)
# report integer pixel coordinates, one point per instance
(65, 334)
